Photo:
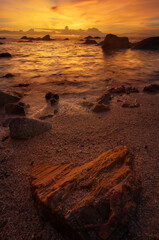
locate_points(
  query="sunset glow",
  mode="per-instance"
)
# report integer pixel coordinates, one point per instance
(118, 16)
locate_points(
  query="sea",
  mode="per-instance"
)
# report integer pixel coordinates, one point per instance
(72, 69)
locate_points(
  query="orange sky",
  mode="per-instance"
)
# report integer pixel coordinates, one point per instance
(115, 16)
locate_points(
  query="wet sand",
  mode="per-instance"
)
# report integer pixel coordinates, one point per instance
(79, 135)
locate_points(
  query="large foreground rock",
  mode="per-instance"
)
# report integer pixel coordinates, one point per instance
(113, 42)
(25, 128)
(94, 201)
(7, 98)
(151, 43)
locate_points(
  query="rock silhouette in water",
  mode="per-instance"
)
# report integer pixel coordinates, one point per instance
(5, 55)
(113, 42)
(90, 41)
(25, 128)
(92, 201)
(151, 43)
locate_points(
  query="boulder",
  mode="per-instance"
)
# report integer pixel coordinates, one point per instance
(46, 38)
(1, 43)
(90, 41)
(113, 42)
(8, 98)
(5, 55)
(66, 39)
(97, 108)
(93, 201)
(8, 75)
(25, 128)
(15, 108)
(153, 88)
(151, 43)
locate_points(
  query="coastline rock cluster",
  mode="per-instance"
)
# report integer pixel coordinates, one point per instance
(92, 201)
(45, 38)
(113, 42)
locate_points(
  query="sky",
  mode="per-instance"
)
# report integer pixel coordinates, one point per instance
(109, 16)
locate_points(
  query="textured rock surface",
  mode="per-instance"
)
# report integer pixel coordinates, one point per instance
(7, 98)
(25, 128)
(153, 88)
(92, 201)
(113, 42)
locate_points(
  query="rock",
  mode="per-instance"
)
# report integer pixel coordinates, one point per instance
(94, 201)
(87, 104)
(151, 43)
(52, 97)
(45, 117)
(2, 38)
(153, 88)
(112, 42)
(5, 55)
(97, 37)
(88, 37)
(46, 38)
(1, 43)
(8, 75)
(8, 98)
(90, 41)
(22, 85)
(25, 128)
(15, 108)
(130, 105)
(105, 99)
(123, 89)
(24, 37)
(66, 39)
(97, 108)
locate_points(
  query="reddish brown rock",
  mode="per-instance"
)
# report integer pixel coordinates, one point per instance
(88, 202)
(97, 108)
(15, 108)
(123, 89)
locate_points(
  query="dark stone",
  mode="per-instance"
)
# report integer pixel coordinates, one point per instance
(66, 39)
(25, 128)
(8, 98)
(3, 38)
(105, 99)
(52, 97)
(24, 37)
(89, 37)
(15, 108)
(45, 117)
(97, 108)
(90, 41)
(8, 75)
(46, 38)
(1, 43)
(151, 43)
(22, 85)
(97, 37)
(113, 42)
(123, 89)
(153, 88)
(5, 55)
(94, 201)
(130, 105)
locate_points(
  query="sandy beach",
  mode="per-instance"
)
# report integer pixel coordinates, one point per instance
(78, 135)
